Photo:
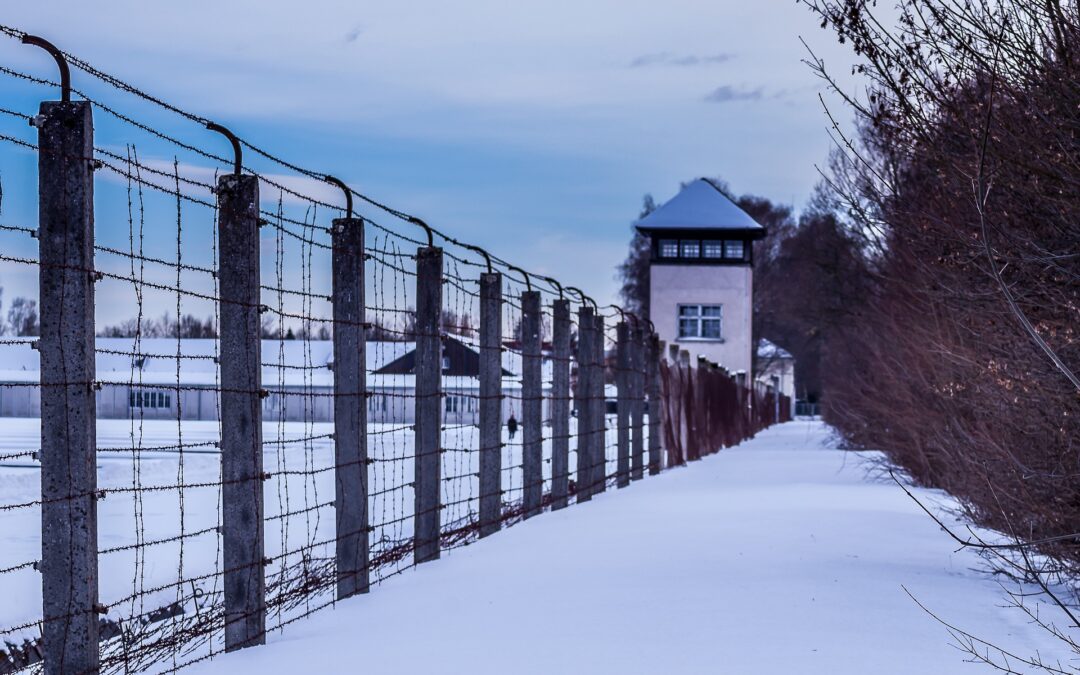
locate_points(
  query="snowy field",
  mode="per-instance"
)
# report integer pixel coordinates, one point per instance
(159, 545)
(780, 556)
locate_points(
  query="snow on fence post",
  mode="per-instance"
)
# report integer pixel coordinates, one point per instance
(241, 411)
(532, 403)
(350, 408)
(490, 403)
(560, 403)
(69, 566)
(655, 348)
(622, 403)
(637, 402)
(427, 463)
(583, 403)
(599, 404)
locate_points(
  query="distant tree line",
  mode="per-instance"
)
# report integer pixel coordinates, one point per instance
(961, 356)
(963, 191)
(450, 321)
(165, 326)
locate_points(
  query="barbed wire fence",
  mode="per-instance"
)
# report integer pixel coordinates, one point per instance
(255, 401)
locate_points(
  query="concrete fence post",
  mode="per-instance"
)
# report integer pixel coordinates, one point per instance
(776, 398)
(560, 403)
(686, 423)
(701, 411)
(746, 399)
(622, 403)
(583, 403)
(532, 403)
(676, 402)
(652, 385)
(712, 444)
(69, 566)
(637, 402)
(427, 484)
(241, 411)
(490, 403)
(350, 408)
(599, 403)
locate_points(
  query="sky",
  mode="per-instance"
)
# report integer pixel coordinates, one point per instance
(533, 129)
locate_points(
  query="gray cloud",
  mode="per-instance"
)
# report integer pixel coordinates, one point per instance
(729, 94)
(671, 59)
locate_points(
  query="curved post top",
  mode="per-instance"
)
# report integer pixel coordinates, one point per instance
(238, 153)
(61, 63)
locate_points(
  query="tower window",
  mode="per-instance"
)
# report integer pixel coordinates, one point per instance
(690, 248)
(734, 249)
(700, 322)
(712, 249)
(669, 248)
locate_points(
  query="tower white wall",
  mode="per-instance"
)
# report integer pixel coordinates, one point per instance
(730, 286)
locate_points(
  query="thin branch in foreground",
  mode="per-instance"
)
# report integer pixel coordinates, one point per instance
(969, 643)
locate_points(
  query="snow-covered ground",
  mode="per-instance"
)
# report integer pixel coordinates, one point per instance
(783, 555)
(159, 545)
(780, 556)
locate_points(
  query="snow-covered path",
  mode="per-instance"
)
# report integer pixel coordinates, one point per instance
(780, 556)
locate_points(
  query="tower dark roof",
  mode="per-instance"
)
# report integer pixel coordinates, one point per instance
(700, 206)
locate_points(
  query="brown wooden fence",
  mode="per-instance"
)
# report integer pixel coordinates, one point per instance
(705, 408)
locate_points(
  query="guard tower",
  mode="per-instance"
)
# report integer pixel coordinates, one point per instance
(701, 282)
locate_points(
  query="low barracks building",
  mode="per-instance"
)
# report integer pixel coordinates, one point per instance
(297, 375)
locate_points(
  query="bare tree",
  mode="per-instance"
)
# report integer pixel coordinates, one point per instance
(189, 326)
(634, 271)
(22, 317)
(963, 186)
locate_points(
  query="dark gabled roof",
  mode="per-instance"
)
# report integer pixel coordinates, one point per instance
(463, 361)
(700, 206)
